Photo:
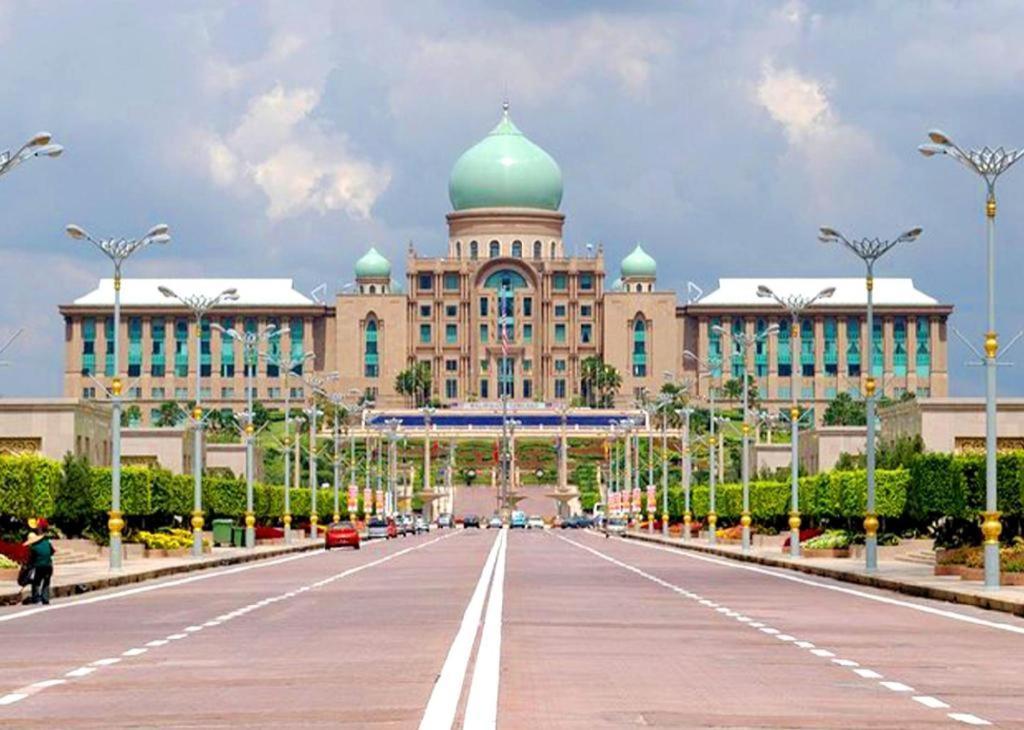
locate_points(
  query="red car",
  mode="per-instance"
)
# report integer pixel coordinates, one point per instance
(341, 534)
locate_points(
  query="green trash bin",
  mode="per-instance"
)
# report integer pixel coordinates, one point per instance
(222, 531)
(237, 536)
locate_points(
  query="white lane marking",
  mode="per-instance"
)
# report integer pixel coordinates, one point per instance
(105, 662)
(204, 575)
(897, 686)
(868, 673)
(156, 642)
(444, 699)
(824, 653)
(175, 637)
(47, 683)
(755, 624)
(932, 702)
(80, 672)
(769, 630)
(134, 652)
(482, 704)
(967, 718)
(804, 644)
(11, 698)
(785, 637)
(193, 629)
(781, 574)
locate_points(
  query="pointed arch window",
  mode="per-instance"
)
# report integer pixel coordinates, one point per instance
(474, 250)
(517, 249)
(458, 249)
(639, 358)
(371, 357)
(537, 249)
(495, 250)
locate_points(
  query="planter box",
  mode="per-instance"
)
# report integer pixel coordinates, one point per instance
(824, 552)
(178, 553)
(978, 574)
(129, 550)
(9, 574)
(951, 569)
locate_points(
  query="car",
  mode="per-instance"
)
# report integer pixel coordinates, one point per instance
(404, 525)
(341, 534)
(585, 521)
(378, 528)
(446, 520)
(518, 520)
(495, 522)
(535, 522)
(420, 524)
(471, 521)
(570, 523)
(615, 526)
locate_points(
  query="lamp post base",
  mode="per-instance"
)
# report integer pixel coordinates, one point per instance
(287, 529)
(197, 534)
(745, 532)
(712, 529)
(794, 534)
(871, 542)
(250, 530)
(115, 524)
(991, 528)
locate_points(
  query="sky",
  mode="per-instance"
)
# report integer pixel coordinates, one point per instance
(285, 138)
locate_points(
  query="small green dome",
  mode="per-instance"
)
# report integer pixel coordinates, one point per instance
(505, 170)
(373, 265)
(639, 263)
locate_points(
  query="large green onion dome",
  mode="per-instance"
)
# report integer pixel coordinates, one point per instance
(505, 170)
(373, 265)
(639, 263)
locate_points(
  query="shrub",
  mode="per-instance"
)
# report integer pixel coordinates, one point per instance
(72, 508)
(830, 540)
(28, 485)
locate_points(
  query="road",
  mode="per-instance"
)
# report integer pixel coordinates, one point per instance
(524, 629)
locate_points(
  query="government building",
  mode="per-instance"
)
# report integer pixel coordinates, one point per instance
(505, 311)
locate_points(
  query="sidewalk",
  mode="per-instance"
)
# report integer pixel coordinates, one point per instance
(91, 575)
(894, 575)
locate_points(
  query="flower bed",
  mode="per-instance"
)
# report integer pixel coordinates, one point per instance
(172, 543)
(969, 563)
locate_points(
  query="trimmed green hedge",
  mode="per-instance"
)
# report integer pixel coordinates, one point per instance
(28, 485)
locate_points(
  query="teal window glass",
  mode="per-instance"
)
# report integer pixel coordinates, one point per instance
(853, 346)
(227, 349)
(205, 355)
(296, 333)
(517, 249)
(527, 333)
(527, 306)
(451, 310)
(495, 249)
(181, 348)
(559, 366)
(484, 334)
(88, 345)
(784, 352)
(158, 347)
(560, 388)
(134, 347)
(250, 357)
(451, 388)
(560, 281)
(560, 333)
(505, 279)
(371, 357)
(831, 353)
(807, 391)
(425, 282)
(559, 310)
(484, 303)
(451, 281)
(899, 346)
(877, 353)
(507, 313)
(425, 334)
(761, 350)
(807, 349)
(451, 334)
(639, 348)
(273, 351)
(108, 337)
(586, 310)
(507, 377)
(715, 347)
(586, 333)
(923, 349)
(737, 353)
(586, 281)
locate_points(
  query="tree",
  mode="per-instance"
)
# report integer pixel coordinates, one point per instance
(608, 385)
(73, 507)
(131, 414)
(168, 415)
(732, 389)
(843, 410)
(590, 373)
(415, 383)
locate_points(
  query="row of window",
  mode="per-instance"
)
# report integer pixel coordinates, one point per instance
(184, 394)
(451, 334)
(180, 347)
(450, 281)
(494, 249)
(806, 347)
(560, 310)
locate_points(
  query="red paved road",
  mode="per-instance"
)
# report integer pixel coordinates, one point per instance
(596, 633)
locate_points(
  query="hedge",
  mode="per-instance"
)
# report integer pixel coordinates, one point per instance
(28, 485)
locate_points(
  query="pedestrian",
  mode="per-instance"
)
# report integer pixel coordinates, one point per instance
(40, 561)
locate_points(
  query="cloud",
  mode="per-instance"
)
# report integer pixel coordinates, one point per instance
(298, 164)
(796, 102)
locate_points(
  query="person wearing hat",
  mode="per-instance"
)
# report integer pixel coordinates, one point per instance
(40, 559)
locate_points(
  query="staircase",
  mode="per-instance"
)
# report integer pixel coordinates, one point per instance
(920, 557)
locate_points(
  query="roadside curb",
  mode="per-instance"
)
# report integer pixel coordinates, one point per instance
(112, 581)
(993, 602)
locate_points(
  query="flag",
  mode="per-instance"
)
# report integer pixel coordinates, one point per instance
(367, 500)
(651, 504)
(494, 454)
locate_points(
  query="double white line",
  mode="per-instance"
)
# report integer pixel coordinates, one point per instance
(482, 704)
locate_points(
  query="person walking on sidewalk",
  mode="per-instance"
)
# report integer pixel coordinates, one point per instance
(40, 560)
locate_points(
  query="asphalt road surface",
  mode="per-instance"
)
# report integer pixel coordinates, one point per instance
(523, 629)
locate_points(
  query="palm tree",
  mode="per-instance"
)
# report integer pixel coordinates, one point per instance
(590, 374)
(168, 415)
(609, 383)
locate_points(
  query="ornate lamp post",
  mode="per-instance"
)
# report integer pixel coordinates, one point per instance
(988, 164)
(709, 367)
(687, 469)
(393, 425)
(288, 368)
(199, 305)
(743, 342)
(795, 304)
(250, 356)
(869, 250)
(118, 250)
(39, 146)
(317, 385)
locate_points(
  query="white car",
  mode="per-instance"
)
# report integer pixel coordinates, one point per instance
(615, 526)
(495, 522)
(421, 524)
(535, 522)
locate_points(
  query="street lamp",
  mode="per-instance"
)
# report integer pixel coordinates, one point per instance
(393, 425)
(743, 342)
(250, 341)
(39, 146)
(199, 305)
(427, 412)
(988, 164)
(709, 370)
(869, 250)
(687, 468)
(795, 304)
(317, 384)
(118, 250)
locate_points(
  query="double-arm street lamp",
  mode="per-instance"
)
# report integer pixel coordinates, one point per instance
(118, 250)
(250, 341)
(869, 250)
(288, 368)
(318, 385)
(39, 146)
(687, 468)
(743, 342)
(795, 305)
(709, 368)
(988, 164)
(198, 305)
